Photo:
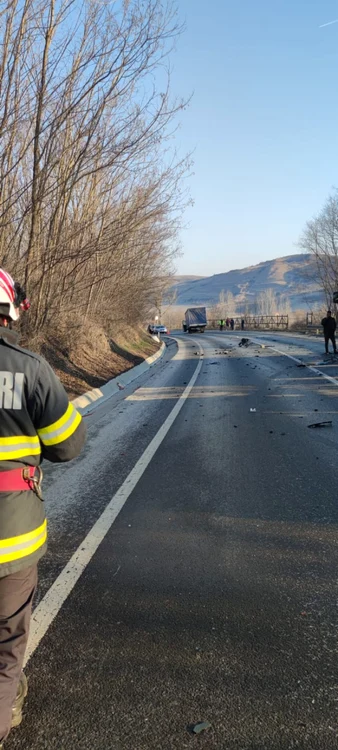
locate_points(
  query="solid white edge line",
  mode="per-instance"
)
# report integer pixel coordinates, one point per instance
(50, 605)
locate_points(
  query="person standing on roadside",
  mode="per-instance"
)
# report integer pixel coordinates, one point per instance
(232, 324)
(329, 326)
(36, 422)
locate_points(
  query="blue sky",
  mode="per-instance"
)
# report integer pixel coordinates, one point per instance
(263, 122)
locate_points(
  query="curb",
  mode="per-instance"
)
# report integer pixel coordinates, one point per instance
(92, 399)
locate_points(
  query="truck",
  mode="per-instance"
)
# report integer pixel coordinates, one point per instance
(195, 320)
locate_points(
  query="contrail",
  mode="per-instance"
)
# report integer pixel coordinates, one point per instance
(328, 24)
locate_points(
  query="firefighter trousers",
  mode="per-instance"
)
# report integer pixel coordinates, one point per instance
(16, 597)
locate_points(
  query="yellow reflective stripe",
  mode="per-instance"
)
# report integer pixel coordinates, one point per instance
(61, 433)
(69, 431)
(19, 446)
(22, 538)
(19, 453)
(15, 439)
(56, 425)
(23, 545)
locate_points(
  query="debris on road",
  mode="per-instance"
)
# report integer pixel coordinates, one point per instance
(301, 365)
(252, 410)
(321, 424)
(116, 571)
(201, 727)
(244, 342)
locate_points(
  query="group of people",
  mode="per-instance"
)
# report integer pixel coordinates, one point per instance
(230, 323)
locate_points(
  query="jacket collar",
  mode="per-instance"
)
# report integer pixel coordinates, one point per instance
(8, 335)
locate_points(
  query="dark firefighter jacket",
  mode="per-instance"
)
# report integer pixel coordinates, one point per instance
(36, 421)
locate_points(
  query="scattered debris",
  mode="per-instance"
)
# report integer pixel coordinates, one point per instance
(120, 386)
(200, 727)
(301, 365)
(116, 571)
(321, 424)
(244, 342)
(252, 410)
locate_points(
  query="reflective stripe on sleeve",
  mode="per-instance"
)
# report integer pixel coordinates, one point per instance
(23, 545)
(62, 429)
(19, 446)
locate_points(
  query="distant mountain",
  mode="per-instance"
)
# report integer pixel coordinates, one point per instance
(184, 279)
(293, 277)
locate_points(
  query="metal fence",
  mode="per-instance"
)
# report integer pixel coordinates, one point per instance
(254, 322)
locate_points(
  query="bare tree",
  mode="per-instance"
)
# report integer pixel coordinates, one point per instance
(225, 307)
(320, 237)
(89, 209)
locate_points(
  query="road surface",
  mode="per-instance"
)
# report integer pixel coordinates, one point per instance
(213, 594)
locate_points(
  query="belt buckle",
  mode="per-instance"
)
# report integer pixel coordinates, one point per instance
(34, 480)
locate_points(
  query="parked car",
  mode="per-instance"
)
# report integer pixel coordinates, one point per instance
(160, 329)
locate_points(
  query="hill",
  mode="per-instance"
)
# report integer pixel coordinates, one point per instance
(293, 276)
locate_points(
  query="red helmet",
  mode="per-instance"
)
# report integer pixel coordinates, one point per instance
(12, 296)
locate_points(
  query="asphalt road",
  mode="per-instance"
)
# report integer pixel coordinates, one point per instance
(213, 596)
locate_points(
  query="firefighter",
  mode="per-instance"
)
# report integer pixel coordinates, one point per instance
(36, 422)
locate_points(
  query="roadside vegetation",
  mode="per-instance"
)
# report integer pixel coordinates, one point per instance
(320, 237)
(91, 191)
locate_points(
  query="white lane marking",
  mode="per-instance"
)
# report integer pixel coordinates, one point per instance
(259, 341)
(55, 597)
(309, 367)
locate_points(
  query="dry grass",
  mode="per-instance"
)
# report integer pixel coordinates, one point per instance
(84, 358)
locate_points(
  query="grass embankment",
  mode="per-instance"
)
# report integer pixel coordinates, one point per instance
(84, 358)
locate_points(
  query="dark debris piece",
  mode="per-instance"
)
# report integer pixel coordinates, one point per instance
(321, 424)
